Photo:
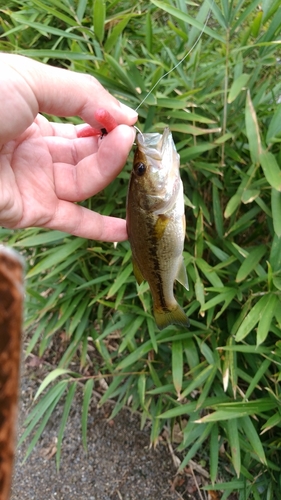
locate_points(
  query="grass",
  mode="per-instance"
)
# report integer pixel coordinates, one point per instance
(223, 107)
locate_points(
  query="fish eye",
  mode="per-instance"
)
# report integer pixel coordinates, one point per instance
(140, 168)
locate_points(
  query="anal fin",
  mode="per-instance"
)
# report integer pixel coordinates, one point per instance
(182, 276)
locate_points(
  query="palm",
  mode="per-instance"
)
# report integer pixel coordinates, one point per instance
(48, 167)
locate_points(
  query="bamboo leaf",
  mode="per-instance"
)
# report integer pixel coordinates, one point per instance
(250, 263)
(186, 18)
(120, 280)
(275, 253)
(56, 256)
(237, 86)
(135, 356)
(276, 210)
(148, 32)
(274, 129)
(273, 421)
(88, 389)
(271, 169)
(41, 238)
(253, 437)
(46, 416)
(177, 365)
(266, 319)
(257, 377)
(198, 381)
(214, 452)
(50, 378)
(120, 72)
(66, 410)
(252, 318)
(116, 32)
(141, 389)
(233, 436)
(252, 130)
(218, 216)
(99, 13)
(232, 205)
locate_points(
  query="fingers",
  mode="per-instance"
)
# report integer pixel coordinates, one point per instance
(94, 172)
(84, 223)
(65, 93)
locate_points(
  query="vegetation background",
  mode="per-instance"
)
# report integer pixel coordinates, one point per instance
(220, 380)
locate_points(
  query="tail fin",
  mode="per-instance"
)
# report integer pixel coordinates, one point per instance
(174, 316)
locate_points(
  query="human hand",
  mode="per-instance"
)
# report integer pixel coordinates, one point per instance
(46, 167)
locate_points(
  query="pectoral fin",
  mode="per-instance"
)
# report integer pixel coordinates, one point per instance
(138, 275)
(182, 276)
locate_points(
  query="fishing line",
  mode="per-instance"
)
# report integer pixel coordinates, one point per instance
(179, 63)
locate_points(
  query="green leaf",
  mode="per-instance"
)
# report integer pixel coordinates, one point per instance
(275, 253)
(206, 429)
(120, 72)
(187, 19)
(253, 437)
(41, 409)
(266, 319)
(66, 410)
(276, 210)
(252, 130)
(232, 205)
(274, 129)
(198, 381)
(116, 32)
(81, 8)
(42, 238)
(271, 169)
(139, 353)
(177, 365)
(99, 13)
(272, 422)
(141, 389)
(214, 452)
(218, 216)
(257, 377)
(50, 378)
(252, 318)
(227, 296)
(250, 263)
(46, 416)
(233, 437)
(120, 280)
(88, 389)
(56, 256)
(148, 32)
(249, 195)
(236, 87)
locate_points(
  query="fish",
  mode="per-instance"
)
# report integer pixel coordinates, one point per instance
(156, 224)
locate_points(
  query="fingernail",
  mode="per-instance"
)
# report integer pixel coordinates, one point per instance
(129, 111)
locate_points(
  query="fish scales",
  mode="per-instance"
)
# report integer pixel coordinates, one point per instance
(156, 223)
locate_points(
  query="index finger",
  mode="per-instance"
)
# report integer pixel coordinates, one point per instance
(66, 93)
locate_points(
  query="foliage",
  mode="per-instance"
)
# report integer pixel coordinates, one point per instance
(220, 379)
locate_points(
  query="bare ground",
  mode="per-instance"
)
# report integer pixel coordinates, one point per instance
(119, 465)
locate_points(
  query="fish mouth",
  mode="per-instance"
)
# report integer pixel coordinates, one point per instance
(155, 145)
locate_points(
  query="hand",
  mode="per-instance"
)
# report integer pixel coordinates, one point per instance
(46, 167)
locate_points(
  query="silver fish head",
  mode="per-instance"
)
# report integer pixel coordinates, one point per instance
(156, 169)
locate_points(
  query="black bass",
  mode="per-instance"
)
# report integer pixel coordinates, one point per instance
(156, 223)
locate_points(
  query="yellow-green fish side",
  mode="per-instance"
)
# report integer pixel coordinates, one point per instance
(156, 224)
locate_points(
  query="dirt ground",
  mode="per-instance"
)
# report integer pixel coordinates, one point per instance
(119, 465)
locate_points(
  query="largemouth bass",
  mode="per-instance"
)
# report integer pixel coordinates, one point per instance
(156, 224)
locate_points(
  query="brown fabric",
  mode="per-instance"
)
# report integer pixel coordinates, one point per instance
(11, 298)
